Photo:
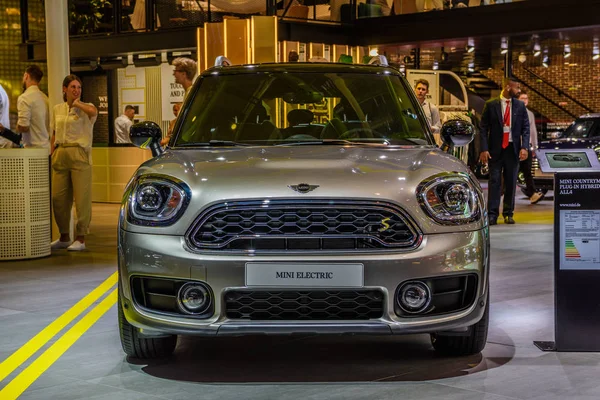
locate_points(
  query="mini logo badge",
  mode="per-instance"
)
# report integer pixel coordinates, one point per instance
(386, 226)
(303, 187)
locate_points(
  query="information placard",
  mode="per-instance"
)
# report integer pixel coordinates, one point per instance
(577, 260)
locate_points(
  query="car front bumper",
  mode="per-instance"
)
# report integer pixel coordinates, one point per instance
(439, 255)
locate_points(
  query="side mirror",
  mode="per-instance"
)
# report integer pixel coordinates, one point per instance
(457, 133)
(146, 135)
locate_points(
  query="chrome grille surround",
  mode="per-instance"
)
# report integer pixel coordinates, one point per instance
(284, 225)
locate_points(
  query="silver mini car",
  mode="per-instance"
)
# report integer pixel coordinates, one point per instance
(302, 198)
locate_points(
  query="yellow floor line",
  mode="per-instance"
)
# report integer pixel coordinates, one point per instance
(22, 381)
(39, 340)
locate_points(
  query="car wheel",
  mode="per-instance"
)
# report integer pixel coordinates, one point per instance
(472, 343)
(140, 347)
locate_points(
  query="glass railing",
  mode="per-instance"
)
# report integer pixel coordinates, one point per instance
(348, 10)
(101, 17)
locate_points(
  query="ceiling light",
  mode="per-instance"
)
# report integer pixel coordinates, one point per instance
(567, 52)
(436, 66)
(537, 50)
(596, 50)
(471, 67)
(546, 61)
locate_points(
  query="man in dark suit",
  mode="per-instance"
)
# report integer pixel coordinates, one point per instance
(504, 142)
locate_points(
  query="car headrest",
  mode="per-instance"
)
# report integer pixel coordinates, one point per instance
(300, 116)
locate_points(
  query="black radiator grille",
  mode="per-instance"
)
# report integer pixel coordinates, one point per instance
(279, 225)
(304, 305)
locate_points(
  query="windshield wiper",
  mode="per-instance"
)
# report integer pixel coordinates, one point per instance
(316, 142)
(215, 143)
(336, 142)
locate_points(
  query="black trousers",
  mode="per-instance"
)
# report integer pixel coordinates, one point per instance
(525, 168)
(504, 166)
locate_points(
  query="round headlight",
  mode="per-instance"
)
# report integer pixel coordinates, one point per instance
(193, 298)
(156, 201)
(450, 199)
(149, 198)
(456, 197)
(414, 297)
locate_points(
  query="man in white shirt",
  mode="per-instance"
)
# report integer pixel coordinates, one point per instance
(431, 112)
(123, 124)
(525, 165)
(34, 116)
(4, 119)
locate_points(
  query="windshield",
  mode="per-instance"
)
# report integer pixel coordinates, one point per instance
(281, 108)
(580, 129)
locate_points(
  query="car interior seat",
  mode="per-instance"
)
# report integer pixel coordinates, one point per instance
(258, 126)
(299, 123)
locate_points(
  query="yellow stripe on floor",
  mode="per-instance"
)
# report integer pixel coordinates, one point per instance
(39, 340)
(18, 385)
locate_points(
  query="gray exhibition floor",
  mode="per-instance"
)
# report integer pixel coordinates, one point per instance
(34, 293)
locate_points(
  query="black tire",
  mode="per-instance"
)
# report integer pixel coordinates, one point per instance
(139, 347)
(473, 343)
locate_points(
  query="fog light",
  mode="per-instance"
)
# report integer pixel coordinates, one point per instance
(414, 297)
(193, 298)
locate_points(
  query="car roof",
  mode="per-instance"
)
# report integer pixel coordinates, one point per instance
(300, 67)
(590, 116)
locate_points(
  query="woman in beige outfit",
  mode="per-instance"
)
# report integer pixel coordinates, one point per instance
(72, 125)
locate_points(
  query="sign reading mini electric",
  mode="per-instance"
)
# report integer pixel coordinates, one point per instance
(304, 275)
(577, 261)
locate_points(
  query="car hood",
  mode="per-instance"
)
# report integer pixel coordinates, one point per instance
(568, 143)
(342, 172)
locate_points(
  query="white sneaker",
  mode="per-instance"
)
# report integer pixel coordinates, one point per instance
(57, 245)
(76, 246)
(536, 198)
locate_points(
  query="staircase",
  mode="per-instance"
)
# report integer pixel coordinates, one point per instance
(546, 88)
(539, 102)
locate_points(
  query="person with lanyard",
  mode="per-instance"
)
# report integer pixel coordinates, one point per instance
(72, 124)
(504, 142)
(431, 112)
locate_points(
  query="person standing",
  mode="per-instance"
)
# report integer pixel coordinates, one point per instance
(504, 142)
(34, 115)
(4, 119)
(431, 112)
(525, 165)
(123, 124)
(72, 123)
(185, 72)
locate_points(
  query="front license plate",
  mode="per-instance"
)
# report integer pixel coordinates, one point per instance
(304, 275)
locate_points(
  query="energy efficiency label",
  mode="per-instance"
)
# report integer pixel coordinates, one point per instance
(580, 239)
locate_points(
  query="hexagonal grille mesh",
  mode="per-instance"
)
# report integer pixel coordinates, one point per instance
(304, 305)
(283, 225)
